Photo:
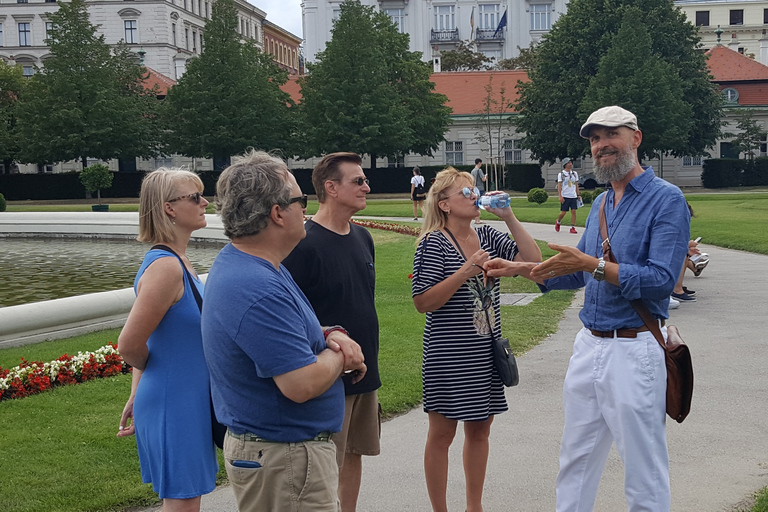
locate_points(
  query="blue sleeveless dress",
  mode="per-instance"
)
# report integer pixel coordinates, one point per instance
(172, 408)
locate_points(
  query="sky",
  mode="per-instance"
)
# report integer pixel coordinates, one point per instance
(285, 13)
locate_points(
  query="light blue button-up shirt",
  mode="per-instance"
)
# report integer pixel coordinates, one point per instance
(649, 232)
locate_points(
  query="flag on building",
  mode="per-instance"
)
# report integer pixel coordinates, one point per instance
(502, 24)
(472, 24)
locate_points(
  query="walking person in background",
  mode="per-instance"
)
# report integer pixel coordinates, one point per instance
(335, 268)
(418, 192)
(460, 382)
(170, 402)
(568, 192)
(479, 177)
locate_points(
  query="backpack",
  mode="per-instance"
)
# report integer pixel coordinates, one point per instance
(419, 189)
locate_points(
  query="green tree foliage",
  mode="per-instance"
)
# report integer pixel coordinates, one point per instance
(524, 60)
(569, 57)
(95, 178)
(750, 134)
(12, 84)
(229, 99)
(621, 80)
(368, 94)
(463, 58)
(88, 101)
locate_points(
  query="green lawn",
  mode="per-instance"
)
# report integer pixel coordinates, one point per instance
(59, 450)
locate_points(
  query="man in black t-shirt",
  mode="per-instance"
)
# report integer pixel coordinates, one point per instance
(334, 267)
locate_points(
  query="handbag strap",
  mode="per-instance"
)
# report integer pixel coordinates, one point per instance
(195, 291)
(487, 315)
(638, 304)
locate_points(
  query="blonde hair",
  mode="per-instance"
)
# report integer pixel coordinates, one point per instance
(435, 218)
(157, 188)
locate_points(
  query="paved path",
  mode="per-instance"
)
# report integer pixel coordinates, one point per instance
(718, 456)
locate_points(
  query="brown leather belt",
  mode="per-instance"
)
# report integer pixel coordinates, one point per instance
(622, 333)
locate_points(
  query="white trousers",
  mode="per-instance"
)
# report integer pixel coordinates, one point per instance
(615, 390)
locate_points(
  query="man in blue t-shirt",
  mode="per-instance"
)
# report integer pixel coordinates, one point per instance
(275, 373)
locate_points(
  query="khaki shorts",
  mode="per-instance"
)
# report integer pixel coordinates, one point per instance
(361, 432)
(291, 477)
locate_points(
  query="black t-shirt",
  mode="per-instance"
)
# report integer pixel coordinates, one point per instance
(338, 276)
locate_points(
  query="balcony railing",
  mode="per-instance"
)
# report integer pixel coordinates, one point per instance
(489, 34)
(444, 36)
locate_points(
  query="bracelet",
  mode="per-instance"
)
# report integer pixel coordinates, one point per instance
(329, 330)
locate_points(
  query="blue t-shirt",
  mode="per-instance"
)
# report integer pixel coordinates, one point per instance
(258, 324)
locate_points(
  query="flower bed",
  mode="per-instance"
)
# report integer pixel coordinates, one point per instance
(32, 377)
(387, 226)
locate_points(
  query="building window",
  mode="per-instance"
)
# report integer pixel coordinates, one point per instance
(540, 16)
(494, 55)
(764, 145)
(454, 152)
(1, 34)
(186, 39)
(201, 42)
(21, 1)
(513, 154)
(395, 161)
(691, 161)
(765, 16)
(445, 18)
(398, 18)
(25, 35)
(173, 34)
(194, 42)
(163, 162)
(185, 5)
(27, 70)
(702, 18)
(737, 17)
(199, 7)
(731, 95)
(131, 32)
(489, 16)
(335, 15)
(207, 10)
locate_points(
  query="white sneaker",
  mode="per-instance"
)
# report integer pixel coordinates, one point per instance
(673, 303)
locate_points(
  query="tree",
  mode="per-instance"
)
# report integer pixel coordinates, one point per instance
(495, 118)
(229, 99)
(567, 59)
(751, 134)
(463, 58)
(12, 84)
(87, 101)
(524, 60)
(621, 77)
(368, 94)
(95, 178)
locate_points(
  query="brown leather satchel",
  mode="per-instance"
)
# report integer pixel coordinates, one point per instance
(676, 353)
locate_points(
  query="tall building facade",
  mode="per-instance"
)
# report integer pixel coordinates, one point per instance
(165, 33)
(740, 25)
(497, 28)
(284, 46)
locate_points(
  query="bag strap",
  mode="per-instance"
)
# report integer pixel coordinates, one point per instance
(638, 304)
(195, 291)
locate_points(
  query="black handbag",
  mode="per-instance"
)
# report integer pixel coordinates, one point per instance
(503, 358)
(218, 430)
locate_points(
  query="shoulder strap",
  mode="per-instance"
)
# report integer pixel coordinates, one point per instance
(638, 304)
(195, 291)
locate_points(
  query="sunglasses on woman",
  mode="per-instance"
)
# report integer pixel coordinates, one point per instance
(469, 192)
(194, 197)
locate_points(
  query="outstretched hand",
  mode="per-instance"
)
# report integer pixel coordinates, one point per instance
(568, 261)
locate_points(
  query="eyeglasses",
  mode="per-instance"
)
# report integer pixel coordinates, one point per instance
(468, 192)
(196, 197)
(357, 181)
(302, 200)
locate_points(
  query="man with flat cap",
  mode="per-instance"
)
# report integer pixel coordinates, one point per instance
(615, 386)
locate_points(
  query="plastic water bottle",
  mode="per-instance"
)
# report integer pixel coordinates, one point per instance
(494, 201)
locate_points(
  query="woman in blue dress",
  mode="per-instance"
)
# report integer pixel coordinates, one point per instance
(169, 405)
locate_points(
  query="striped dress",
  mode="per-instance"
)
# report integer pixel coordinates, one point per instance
(458, 377)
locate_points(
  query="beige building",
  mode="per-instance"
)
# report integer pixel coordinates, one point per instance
(740, 25)
(284, 46)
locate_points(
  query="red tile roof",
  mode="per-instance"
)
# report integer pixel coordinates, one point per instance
(727, 65)
(155, 78)
(465, 90)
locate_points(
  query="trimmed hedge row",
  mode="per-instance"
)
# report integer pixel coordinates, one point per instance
(731, 172)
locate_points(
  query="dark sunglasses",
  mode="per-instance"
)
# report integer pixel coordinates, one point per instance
(302, 200)
(195, 197)
(357, 181)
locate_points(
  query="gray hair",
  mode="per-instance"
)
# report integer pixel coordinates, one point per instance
(248, 189)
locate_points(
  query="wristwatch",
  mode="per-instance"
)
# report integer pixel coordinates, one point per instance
(599, 272)
(329, 330)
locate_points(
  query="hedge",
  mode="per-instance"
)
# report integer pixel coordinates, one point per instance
(42, 187)
(722, 172)
(524, 177)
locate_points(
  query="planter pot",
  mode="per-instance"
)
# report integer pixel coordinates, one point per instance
(100, 207)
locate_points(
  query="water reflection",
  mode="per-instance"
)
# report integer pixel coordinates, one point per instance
(32, 270)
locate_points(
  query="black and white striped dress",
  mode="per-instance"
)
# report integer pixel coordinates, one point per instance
(457, 372)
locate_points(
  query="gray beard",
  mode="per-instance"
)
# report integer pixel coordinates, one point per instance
(625, 162)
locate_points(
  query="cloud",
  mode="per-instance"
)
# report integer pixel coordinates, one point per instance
(285, 13)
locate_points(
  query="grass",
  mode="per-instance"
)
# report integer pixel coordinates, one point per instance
(59, 449)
